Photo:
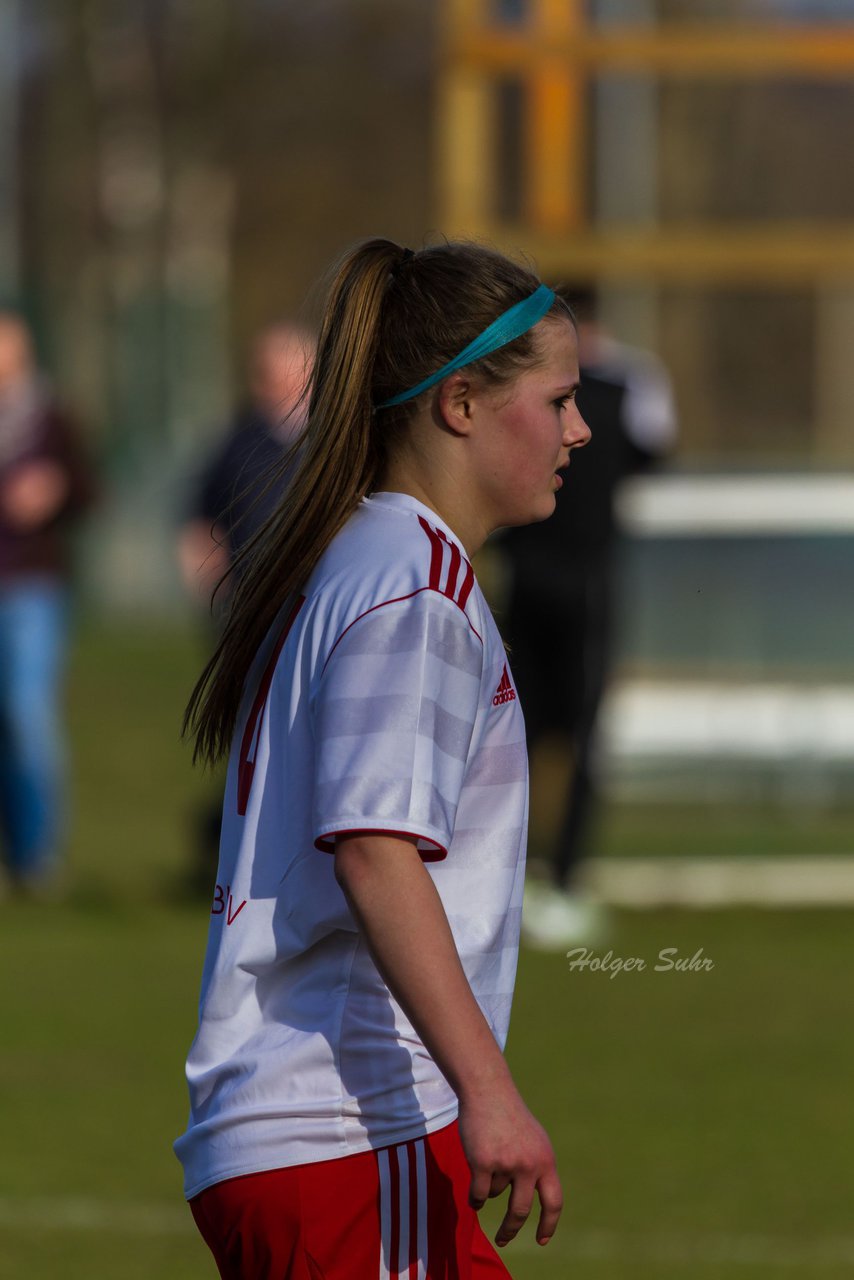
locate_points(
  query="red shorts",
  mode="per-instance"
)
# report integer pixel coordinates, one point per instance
(401, 1213)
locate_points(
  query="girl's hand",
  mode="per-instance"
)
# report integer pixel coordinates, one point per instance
(505, 1146)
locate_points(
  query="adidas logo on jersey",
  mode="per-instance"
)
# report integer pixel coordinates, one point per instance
(505, 691)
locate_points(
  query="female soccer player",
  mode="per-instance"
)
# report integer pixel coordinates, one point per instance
(350, 1105)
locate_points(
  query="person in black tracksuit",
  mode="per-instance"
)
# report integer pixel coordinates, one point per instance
(560, 612)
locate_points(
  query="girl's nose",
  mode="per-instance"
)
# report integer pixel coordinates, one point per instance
(577, 433)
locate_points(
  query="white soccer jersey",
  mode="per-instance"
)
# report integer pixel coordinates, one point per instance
(383, 702)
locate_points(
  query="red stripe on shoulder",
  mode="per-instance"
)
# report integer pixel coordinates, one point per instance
(465, 589)
(453, 571)
(438, 541)
(436, 554)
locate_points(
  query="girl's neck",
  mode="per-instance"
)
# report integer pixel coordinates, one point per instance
(448, 502)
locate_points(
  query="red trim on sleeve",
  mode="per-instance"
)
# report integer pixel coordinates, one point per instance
(438, 852)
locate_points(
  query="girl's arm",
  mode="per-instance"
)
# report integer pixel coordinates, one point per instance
(399, 911)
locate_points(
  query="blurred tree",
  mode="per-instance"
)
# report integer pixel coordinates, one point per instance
(190, 168)
(332, 139)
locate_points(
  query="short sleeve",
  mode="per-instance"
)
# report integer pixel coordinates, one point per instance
(394, 715)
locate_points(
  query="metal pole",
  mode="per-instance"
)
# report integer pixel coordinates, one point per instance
(625, 173)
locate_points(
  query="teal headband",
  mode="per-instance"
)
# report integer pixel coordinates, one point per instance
(512, 324)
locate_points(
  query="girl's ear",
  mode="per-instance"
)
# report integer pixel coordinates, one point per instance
(454, 403)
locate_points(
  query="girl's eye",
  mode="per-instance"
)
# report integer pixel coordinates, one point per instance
(562, 401)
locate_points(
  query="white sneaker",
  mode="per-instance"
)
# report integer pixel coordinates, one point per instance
(553, 919)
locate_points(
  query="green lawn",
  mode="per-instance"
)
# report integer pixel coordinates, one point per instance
(702, 1119)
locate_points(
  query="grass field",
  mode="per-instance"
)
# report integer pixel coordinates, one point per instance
(703, 1120)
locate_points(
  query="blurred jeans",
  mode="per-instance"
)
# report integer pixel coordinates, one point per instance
(33, 632)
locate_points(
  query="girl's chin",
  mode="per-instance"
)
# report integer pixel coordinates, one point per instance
(543, 509)
(537, 510)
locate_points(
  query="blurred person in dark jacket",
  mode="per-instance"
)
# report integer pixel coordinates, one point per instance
(559, 619)
(239, 485)
(236, 491)
(45, 483)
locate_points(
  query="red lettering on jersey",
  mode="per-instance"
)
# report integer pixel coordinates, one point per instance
(232, 915)
(224, 903)
(505, 691)
(252, 732)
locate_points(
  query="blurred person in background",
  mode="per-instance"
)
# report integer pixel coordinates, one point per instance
(560, 612)
(45, 484)
(237, 491)
(239, 486)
